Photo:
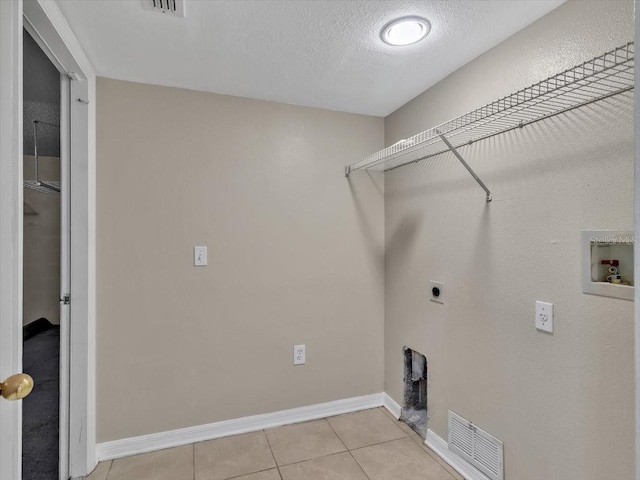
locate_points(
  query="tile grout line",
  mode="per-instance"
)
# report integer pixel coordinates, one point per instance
(349, 451)
(272, 454)
(439, 460)
(379, 443)
(421, 444)
(298, 462)
(358, 463)
(326, 419)
(312, 458)
(109, 469)
(344, 451)
(235, 477)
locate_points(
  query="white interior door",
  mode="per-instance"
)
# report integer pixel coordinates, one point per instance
(45, 20)
(11, 24)
(65, 271)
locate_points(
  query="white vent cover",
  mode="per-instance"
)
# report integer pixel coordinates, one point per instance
(482, 450)
(170, 7)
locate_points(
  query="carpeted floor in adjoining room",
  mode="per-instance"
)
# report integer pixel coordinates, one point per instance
(40, 414)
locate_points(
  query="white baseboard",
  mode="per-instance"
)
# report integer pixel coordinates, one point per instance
(199, 433)
(460, 465)
(390, 404)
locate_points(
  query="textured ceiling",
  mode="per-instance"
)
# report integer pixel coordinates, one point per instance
(317, 53)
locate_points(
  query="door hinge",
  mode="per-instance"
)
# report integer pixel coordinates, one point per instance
(65, 299)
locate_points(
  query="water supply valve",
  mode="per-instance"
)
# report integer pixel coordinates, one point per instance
(614, 274)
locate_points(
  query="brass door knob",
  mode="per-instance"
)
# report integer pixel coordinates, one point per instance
(16, 387)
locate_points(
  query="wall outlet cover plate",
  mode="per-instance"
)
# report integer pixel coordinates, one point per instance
(299, 354)
(436, 291)
(544, 316)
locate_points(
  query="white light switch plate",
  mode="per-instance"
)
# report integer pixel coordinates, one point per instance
(544, 316)
(200, 256)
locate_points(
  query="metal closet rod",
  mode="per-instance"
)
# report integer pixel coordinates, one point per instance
(46, 123)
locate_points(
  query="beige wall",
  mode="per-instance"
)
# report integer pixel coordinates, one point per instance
(563, 404)
(41, 245)
(295, 256)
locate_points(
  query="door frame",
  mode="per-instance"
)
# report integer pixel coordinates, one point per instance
(11, 196)
(44, 20)
(636, 247)
(65, 273)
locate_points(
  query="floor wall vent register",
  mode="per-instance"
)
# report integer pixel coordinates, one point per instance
(174, 8)
(479, 448)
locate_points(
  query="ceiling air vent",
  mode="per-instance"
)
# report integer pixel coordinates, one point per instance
(480, 449)
(169, 7)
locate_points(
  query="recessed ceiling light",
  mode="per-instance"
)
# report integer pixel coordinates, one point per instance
(405, 31)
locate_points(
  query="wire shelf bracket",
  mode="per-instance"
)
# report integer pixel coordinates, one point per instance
(38, 185)
(609, 74)
(466, 165)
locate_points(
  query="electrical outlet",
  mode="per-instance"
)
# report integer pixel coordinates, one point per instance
(436, 292)
(200, 256)
(299, 354)
(544, 316)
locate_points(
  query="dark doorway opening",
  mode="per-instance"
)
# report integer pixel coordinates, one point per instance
(41, 263)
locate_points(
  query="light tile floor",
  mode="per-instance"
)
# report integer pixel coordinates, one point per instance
(366, 445)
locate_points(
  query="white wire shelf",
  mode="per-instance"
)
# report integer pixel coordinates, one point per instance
(602, 77)
(42, 187)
